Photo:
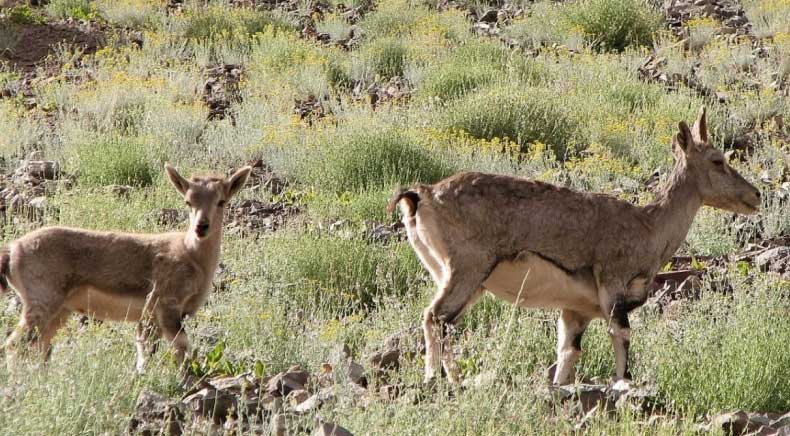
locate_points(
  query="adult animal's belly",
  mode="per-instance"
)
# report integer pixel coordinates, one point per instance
(532, 281)
(106, 306)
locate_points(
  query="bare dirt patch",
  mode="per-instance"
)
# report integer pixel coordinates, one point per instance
(37, 41)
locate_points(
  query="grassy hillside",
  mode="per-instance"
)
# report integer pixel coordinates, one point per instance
(343, 102)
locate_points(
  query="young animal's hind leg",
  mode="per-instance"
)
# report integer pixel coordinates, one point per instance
(462, 286)
(45, 344)
(570, 329)
(34, 324)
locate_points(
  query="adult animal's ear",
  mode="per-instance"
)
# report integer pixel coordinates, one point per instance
(683, 139)
(235, 182)
(700, 130)
(181, 184)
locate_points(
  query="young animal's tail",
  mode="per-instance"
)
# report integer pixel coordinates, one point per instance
(412, 199)
(5, 260)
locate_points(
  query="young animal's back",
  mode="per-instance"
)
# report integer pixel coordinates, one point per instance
(68, 259)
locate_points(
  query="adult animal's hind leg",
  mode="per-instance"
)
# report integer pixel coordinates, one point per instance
(462, 286)
(427, 258)
(570, 329)
(616, 308)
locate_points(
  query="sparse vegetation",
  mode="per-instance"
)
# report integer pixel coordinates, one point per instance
(559, 94)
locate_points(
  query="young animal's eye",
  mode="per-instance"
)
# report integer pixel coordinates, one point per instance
(221, 203)
(188, 203)
(718, 163)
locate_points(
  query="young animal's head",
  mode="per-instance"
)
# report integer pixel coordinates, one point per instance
(719, 184)
(206, 197)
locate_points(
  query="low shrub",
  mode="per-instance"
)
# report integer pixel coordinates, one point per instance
(364, 158)
(524, 116)
(341, 274)
(114, 159)
(614, 24)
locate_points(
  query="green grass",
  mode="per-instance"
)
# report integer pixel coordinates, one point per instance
(744, 332)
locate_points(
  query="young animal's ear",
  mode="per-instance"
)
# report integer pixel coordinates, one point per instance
(181, 184)
(235, 182)
(683, 139)
(700, 130)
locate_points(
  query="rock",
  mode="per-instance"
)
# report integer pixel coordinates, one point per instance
(283, 383)
(221, 90)
(316, 400)
(356, 374)
(212, 403)
(39, 203)
(154, 415)
(119, 190)
(256, 215)
(481, 380)
(775, 259)
(406, 344)
(278, 425)
(168, 217)
(309, 108)
(297, 397)
(330, 429)
(389, 392)
(733, 423)
(385, 233)
(222, 398)
(36, 171)
(490, 16)
(782, 421)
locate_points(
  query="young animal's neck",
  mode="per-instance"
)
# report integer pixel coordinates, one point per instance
(674, 209)
(204, 251)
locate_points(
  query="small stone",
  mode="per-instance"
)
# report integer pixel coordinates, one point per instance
(212, 403)
(316, 400)
(356, 374)
(297, 397)
(285, 382)
(330, 429)
(278, 425)
(39, 203)
(389, 392)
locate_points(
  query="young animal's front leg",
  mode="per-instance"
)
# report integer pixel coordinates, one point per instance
(145, 340)
(169, 320)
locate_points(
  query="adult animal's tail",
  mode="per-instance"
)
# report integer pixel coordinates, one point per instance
(411, 197)
(5, 260)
